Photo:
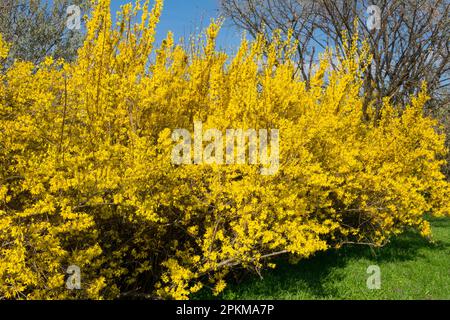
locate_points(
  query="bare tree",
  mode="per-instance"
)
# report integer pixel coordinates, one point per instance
(38, 28)
(266, 16)
(409, 39)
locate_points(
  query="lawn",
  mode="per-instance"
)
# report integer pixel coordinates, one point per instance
(411, 268)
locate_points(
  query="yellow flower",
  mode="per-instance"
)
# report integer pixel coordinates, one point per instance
(86, 176)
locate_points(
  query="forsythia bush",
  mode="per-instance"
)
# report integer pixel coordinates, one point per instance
(86, 176)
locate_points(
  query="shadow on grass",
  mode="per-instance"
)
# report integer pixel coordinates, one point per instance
(312, 276)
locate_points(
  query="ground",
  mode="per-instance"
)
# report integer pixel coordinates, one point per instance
(411, 268)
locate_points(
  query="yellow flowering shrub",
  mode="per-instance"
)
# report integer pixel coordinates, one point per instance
(86, 176)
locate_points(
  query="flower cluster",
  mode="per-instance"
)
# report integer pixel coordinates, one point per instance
(87, 177)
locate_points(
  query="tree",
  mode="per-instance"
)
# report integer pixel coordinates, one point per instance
(38, 28)
(408, 39)
(88, 177)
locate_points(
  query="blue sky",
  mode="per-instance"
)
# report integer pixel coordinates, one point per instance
(186, 17)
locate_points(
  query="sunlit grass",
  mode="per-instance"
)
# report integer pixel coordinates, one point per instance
(411, 268)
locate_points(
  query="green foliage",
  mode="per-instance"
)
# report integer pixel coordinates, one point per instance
(37, 28)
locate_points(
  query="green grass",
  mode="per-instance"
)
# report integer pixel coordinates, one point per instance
(411, 268)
